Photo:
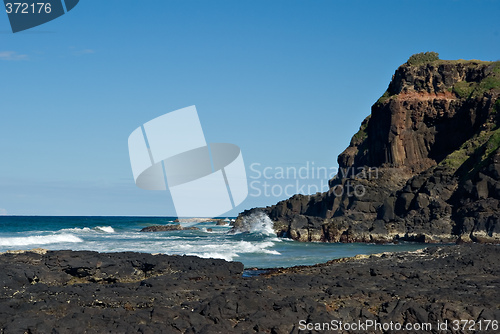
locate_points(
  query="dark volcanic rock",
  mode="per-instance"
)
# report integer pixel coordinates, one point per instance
(170, 227)
(424, 165)
(88, 292)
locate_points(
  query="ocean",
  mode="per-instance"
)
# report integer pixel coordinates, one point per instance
(257, 248)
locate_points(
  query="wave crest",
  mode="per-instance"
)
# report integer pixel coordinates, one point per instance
(39, 240)
(107, 229)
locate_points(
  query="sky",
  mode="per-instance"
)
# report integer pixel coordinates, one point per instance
(287, 81)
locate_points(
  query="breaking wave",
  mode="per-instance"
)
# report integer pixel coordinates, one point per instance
(39, 240)
(106, 229)
(258, 223)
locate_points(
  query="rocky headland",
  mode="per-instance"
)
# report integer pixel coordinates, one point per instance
(90, 292)
(424, 165)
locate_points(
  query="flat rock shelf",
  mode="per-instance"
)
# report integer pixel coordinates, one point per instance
(90, 292)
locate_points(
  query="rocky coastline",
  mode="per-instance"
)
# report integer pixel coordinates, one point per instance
(89, 292)
(425, 162)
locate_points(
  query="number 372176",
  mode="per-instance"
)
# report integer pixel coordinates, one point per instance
(26, 8)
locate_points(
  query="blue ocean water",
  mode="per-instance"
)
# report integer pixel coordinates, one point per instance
(258, 247)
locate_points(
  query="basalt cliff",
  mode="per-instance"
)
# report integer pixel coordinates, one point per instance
(424, 166)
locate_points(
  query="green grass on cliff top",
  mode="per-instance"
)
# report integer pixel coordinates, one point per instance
(465, 89)
(422, 58)
(432, 57)
(462, 61)
(478, 148)
(462, 89)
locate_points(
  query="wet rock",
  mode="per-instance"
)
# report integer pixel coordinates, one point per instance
(170, 227)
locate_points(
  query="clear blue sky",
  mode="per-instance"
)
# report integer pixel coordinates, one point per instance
(288, 81)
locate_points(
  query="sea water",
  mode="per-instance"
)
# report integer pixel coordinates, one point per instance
(257, 246)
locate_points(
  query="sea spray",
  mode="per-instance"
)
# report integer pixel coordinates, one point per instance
(257, 222)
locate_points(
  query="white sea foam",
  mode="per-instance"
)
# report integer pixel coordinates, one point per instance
(228, 250)
(99, 229)
(39, 240)
(216, 255)
(258, 223)
(107, 229)
(75, 230)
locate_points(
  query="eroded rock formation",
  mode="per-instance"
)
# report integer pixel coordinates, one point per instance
(425, 164)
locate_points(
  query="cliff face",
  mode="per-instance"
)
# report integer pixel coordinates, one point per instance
(420, 119)
(425, 165)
